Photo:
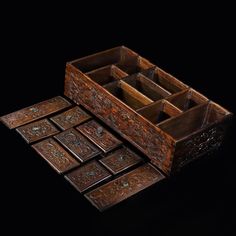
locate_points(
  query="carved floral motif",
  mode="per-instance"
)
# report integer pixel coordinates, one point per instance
(70, 118)
(77, 144)
(120, 159)
(37, 130)
(205, 142)
(34, 112)
(57, 157)
(124, 187)
(87, 176)
(100, 136)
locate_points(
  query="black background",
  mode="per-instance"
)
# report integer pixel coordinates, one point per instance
(196, 46)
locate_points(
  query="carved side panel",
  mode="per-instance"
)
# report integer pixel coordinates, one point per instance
(145, 136)
(198, 145)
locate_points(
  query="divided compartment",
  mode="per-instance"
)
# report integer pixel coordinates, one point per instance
(127, 94)
(187, 99)
(146, 87)
(165, 80)
(135, 64)
(196, 119)
(106, 74)
(121, 56)
(159, 112)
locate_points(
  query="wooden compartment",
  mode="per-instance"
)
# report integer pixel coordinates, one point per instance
(165, 80)
(164, 118)
(106, 74)
(128, 94)
(187, 99)
(146, 87)
(184, 125)
(133, 65)
(160, 111)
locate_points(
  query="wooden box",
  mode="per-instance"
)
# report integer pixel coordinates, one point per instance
(170, 122)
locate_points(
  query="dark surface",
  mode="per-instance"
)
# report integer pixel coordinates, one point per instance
(195, 47)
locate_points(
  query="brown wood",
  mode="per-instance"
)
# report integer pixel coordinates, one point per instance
(78, 145)
(37, 130)
(196, 130)
(34, 112)
(87, 176)
(146, 87)
(70, 118)
(165, 80)
(99, 136)
(106, 74)
(159, 111)
(55, 155)
(149, 108)
(123, 187)
(120, 160)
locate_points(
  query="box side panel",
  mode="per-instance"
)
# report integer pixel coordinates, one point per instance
(200, 143)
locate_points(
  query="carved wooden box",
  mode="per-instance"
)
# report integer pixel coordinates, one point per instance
(170, 122)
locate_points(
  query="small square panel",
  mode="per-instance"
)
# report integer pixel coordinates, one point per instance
(120, 160)
(99, 135)
(77, 144)
(55, 155)
(87, 176)
(70, 118)
(37, 130)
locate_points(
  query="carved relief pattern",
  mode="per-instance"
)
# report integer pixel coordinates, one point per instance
(52, 152)
(204, 142)
(141, 133)
(124, 186)
(77, 144)
(34, 112)
(37, 130)
(70, 118)
(120, 160)
(87, 175)
(100, 136)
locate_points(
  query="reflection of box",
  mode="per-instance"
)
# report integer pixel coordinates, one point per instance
(167, 120)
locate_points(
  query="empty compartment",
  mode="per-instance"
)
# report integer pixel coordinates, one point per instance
(159, 111)
(128, 94)
(106, 74)
(215, 113)
(193, 120)
(132, 65)
(187, 99)
(101, 59)
(146, 87)
(165, 80)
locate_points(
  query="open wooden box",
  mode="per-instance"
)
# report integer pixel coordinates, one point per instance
(164, 118)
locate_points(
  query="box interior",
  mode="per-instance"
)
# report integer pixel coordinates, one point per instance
(154, 94)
